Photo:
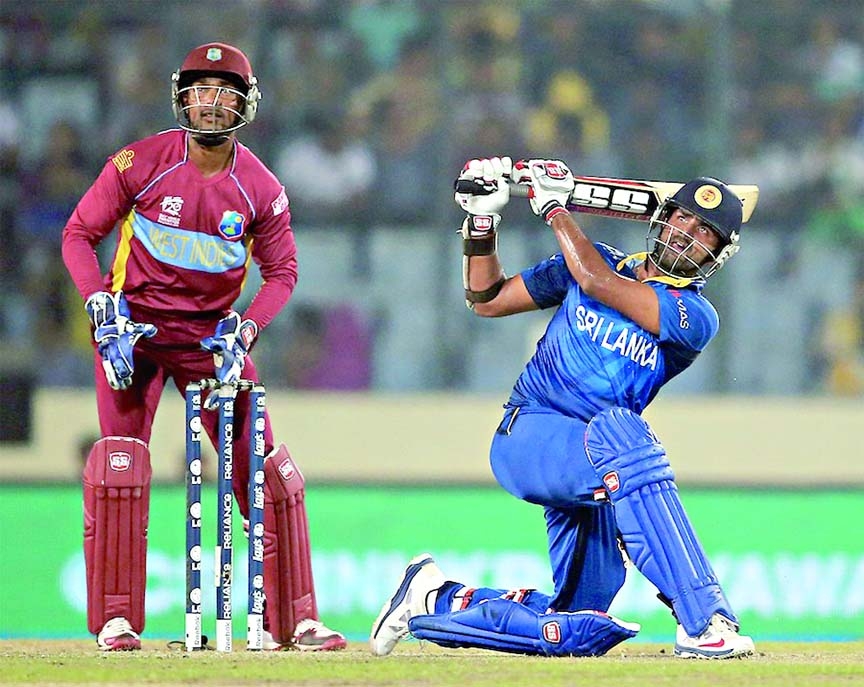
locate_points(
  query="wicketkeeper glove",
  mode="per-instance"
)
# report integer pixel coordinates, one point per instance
(230, 345)
(552, 185)
(115, 335)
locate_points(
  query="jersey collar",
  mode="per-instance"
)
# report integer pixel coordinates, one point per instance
(679, 282)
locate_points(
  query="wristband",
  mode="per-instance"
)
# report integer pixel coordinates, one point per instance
(485, 246)
(480, 226)
(479, 234)
(247, 333)
(551, 210)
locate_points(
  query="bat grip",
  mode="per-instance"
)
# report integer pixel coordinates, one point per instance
(475, 189)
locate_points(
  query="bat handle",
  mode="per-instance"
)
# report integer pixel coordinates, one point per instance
(475, 189)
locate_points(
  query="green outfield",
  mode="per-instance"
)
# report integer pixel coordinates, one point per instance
(417, 664)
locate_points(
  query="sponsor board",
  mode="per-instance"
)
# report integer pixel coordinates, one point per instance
(790, 572)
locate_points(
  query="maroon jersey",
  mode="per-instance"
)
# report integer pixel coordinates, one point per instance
(185, 241)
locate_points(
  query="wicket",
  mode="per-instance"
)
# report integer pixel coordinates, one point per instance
(224, 563)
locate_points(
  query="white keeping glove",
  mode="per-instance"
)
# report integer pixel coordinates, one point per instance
(484, 204)
(552, 186)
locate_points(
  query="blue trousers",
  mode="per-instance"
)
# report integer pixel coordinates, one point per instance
(539, 457)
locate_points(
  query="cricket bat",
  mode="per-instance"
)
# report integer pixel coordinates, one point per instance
(623, 198)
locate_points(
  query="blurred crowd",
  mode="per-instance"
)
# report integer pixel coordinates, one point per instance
(371, 106)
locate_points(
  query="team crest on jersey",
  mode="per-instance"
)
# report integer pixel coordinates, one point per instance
(232, 225)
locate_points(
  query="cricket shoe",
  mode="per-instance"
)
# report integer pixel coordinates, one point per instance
(412, 598)
(313, 635)
(310, 635)
(117, 635)
(269, 643)
(719, 640)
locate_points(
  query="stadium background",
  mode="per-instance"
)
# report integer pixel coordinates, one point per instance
(383, 385)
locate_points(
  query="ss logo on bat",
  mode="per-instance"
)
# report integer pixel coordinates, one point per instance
(631, 201)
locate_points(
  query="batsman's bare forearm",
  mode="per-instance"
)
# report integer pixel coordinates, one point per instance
(485, 271)
(630, 297)
(483, 278)
(513, 296)
(586, 264)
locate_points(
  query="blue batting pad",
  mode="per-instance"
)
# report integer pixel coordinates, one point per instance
(504, 625)
(661, 542)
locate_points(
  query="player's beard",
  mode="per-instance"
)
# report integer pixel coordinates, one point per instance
(214, 138)
(211, 140)
(682, 256)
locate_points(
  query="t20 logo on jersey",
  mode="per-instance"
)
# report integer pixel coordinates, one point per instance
(170, 207)
(232, 225)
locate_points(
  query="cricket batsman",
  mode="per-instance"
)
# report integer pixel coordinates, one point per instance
(572, 439)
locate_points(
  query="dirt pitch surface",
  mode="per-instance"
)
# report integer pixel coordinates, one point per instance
(420, 664)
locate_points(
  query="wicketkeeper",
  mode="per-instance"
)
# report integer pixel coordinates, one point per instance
(193, 207)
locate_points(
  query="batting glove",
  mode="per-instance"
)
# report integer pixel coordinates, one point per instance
(490, 195)
(229, 345)
(115, 336)
(552, 185)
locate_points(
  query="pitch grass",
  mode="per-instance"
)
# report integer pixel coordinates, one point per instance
(416, 664)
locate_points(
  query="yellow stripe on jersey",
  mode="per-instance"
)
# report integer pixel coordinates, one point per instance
(121, 257)
(249, 241)
(679, 282)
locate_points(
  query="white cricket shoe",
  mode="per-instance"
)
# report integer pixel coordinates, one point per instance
(420, 578)
(309, 635)
(117, 635)
(268, 643)
(719, 640)
(313, 635)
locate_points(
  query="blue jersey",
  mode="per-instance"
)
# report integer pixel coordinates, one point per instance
(592, 357)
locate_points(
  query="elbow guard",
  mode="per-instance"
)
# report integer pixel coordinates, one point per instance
(473, 297)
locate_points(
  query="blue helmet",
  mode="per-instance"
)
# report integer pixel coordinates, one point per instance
(714, 203)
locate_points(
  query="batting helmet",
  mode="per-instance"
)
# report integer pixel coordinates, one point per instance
(215, 60)
(713, 202)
